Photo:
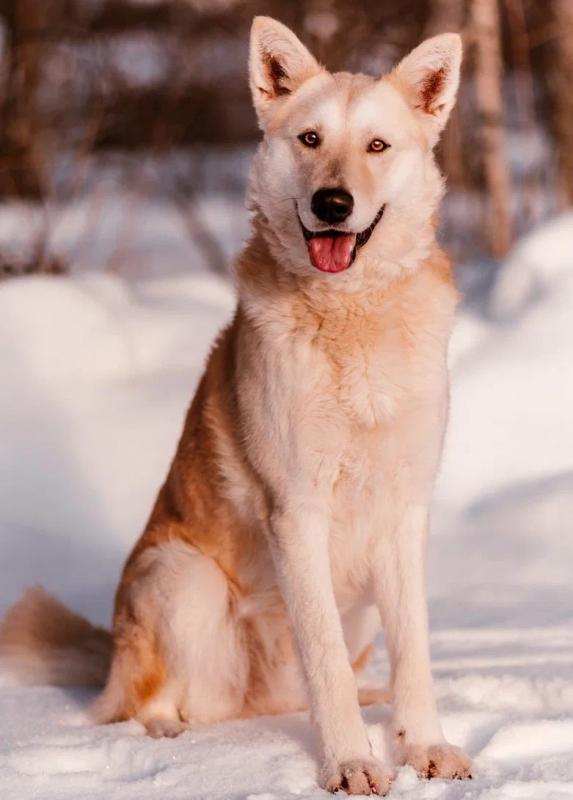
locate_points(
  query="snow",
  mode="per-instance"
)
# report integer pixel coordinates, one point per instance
(97, 372)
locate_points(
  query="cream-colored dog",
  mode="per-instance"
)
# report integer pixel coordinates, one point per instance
(294, 516)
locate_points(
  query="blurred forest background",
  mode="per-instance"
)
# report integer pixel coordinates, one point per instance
(126, 126)
(126, 132)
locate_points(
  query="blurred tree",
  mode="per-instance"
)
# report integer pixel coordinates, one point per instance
(489, 71)
(524, 90)
(20, 148)
(24, 149)
(563, 10)
(445, 16)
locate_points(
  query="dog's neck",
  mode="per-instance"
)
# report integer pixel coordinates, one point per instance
(277, 304)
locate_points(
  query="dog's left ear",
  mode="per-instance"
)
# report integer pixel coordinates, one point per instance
(429, 77)
(278, 64)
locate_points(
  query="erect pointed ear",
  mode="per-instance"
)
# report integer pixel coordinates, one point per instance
(278, 64)
(429, 77)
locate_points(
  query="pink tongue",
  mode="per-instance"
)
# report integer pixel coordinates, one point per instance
(331, 253)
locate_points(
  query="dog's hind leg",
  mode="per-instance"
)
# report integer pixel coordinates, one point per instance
(180, 653)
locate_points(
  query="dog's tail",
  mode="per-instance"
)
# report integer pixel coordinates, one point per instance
(42, 642)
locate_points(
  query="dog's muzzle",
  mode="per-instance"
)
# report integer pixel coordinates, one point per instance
(333, 250)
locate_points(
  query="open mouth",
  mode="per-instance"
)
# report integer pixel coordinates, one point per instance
(333, 250)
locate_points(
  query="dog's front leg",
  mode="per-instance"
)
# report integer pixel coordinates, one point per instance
(401, 594)
(299, 542)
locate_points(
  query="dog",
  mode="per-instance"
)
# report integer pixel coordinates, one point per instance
(293, 521)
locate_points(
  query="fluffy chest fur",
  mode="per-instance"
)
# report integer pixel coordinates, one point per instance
(344, 388)
(371, 355)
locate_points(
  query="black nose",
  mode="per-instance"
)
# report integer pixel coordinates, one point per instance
(332, 205)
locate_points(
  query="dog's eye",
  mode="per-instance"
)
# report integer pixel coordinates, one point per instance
(377, 146)
(309, 139)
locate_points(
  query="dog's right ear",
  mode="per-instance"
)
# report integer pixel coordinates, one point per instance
(278, 64)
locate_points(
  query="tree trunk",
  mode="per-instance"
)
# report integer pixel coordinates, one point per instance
(444, 16)
(524, 92)
(488, 82)
(20, 169)
(448, 16)
(563, 10)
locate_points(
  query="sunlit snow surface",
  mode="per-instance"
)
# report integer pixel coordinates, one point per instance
(96, 375)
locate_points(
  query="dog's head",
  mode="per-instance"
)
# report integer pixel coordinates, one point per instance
(345, 175)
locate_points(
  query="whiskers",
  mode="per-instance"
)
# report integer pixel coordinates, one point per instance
(294, 200)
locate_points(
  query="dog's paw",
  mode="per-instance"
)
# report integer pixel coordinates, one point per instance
(358, 776)
(438, 761)
(158, 727)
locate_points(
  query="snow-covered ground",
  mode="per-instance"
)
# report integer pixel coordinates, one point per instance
(96, 375)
